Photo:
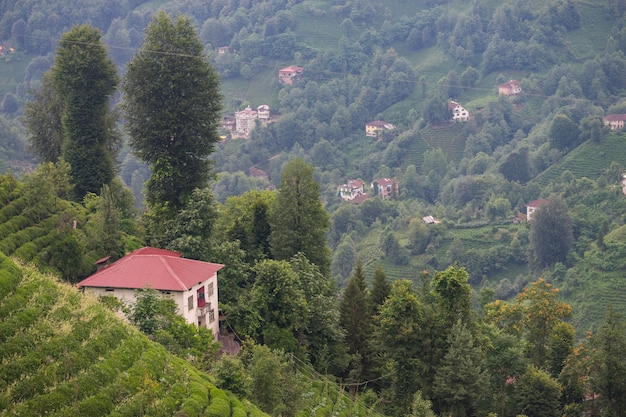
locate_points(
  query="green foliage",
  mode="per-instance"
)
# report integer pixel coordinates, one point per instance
(298, 220)
(277, 387)
(70, 356)
(538, 394)
(172, 106)
(551, 234)
(85, 78)
(461, 378)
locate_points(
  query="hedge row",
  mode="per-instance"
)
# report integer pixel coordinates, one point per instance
(10, 189)
(13, 209)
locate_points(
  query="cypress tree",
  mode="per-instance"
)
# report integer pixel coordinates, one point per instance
(85, 78)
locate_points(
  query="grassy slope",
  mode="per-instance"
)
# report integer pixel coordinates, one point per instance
(62, 353)
(588, 160)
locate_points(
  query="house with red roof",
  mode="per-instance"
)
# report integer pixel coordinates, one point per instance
(350, 190)
(615, 121)
(290, 75)
(191, 284)
(386, 187)
(510, 88)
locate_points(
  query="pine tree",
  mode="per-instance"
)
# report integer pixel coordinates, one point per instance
(298, 220)
(354, 311)
(380, 290)
(172, 104)
(461, 377)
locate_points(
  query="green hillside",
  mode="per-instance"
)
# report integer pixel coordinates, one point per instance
(65, 354)
(588, 160)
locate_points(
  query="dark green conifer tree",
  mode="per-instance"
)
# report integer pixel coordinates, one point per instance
(461, 378)
(380, 289)
(85, 79)
(298, 220)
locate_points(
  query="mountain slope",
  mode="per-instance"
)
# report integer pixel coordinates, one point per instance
(64, 354)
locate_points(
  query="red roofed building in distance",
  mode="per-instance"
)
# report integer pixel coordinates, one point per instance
(350, 190)
(510, 88)
(191, 284)
(290, 75)
(387, 187)
(532, 207)
(615, 121)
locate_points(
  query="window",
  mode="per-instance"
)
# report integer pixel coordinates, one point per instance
(190, 302)
(201, 299)
(211, 316)
(210, 289)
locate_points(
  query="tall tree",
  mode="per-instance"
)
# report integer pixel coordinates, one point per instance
(380, 290)
(298, 220)
(354, 310)
(172, 104)
(461, 378)
(538, 394)
(551, 233)
(43, 121)
(608, 370)
(85, 78)
(453, 292)
(399, 331)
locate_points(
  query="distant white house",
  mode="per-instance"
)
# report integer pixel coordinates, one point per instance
(532, 206)
(350, 190)
(459, 113)
(245, 121)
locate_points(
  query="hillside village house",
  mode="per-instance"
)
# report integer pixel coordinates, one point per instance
(263, 112)
(386, 187)
(290, 75)
(245, 121)
(191, 284)
(510, 88)
(615, 121)
(459, 113)
(350, 190)
(377, 128)
(532, 207)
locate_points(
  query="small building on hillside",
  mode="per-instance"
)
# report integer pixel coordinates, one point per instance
(615, 121)
(377, 128)
(290, 75)
(459, 113)
(191, 284)
(245, 121)
(510, 88)
(386, 187)
(259, 174)
(532, 206)
(263, 112)
(350, 190)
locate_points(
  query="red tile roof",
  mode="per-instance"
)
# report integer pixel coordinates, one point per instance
(615, 117)
(536, 203)
(160, 269)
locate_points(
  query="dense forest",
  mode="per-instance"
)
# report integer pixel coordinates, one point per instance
(442, 298)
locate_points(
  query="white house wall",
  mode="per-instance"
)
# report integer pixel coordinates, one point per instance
(127, 296)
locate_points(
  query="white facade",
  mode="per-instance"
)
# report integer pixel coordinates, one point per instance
(189, 303)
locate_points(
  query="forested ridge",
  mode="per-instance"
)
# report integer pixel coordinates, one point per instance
(475, 311)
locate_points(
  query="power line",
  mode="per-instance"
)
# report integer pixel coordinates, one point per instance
(330, 75)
